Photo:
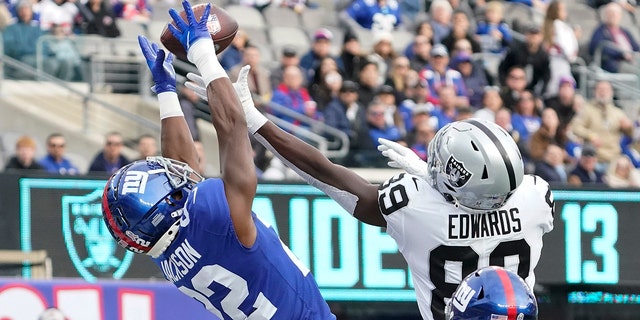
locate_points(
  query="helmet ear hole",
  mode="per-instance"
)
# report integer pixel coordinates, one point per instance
(485, 174)
(481, 294)
(474, 146)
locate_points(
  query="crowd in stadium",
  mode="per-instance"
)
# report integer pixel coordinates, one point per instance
(464, 59)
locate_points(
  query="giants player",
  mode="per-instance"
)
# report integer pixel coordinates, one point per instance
(202, 233)
(469, 206)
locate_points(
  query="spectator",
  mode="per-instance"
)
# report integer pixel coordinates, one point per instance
(379, 126)
(441, 13)
(602, 124)
(566, 103)
(20, 39)
(425, 32)
(551, 166)
(386, 96)
(368, 82)
(447, 111)
(24, 159)
(66, 61)
(631, 148)
(147, 146)
(99, 19)
(382, 53)
(618, 54)
(133, 10)
(232, 55)
(420, 53)
(586, 172)
(627, 5)
(289, 58)
(503, 119)
(189, 104)
(622, 174)
(58, 12)
(491, 103)
(532, 56)
(548, 133)
(344, 112)
(375, 15)
(55, 161)
(291, 94)
(110, 159)
(259, 77)
(526, 119)
(424, 133)
(399, 76)
(204, 168)
(475, 79)
(320, 49)
(351, 57)
(461, 29)
(494, 34)
(561, 42)
(438, 74)
(416, 97)
(319, 88)
(514, 85)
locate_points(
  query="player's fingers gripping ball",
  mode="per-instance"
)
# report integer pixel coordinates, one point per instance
(193, 23)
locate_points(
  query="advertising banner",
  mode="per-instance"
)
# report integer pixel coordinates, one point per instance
(100, 300)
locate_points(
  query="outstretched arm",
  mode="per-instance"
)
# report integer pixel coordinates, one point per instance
(176, 141)
(236, 157)
(352, 192)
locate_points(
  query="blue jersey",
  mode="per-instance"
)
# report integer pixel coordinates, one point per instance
(207, 262)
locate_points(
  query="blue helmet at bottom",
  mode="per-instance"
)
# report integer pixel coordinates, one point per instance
(492, 293)
(143, 201)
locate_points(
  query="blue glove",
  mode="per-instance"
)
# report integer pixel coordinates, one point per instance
(164, 76)
(188, 34)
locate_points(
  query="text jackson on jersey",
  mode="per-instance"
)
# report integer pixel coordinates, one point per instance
(487, 224)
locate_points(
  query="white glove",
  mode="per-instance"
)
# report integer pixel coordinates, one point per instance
(403, 158)
(254, 118)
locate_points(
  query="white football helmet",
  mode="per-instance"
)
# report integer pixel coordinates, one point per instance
(475, 164)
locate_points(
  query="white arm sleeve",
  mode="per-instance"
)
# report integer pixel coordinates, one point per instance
(345, 199)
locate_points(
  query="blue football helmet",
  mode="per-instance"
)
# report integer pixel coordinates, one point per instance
(492, 293)
(143, 201)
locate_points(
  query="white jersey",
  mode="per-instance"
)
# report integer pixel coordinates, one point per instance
(442, 243)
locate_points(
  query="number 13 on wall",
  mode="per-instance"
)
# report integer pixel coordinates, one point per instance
(579, 221)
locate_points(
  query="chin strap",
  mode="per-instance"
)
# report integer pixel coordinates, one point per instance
(164, 241)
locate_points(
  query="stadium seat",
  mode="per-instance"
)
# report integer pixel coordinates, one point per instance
(276, 16)
(283, 36)
(257, 36)
(313, 19)
(401, 39)
(247, 17)
(517, 15)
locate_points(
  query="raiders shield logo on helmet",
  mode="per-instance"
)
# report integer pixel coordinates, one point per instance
(90, 246)
(458, 174)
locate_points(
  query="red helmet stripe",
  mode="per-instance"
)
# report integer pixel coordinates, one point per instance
(512, 310)
(112, 222)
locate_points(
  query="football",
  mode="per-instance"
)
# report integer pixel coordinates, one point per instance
(222, 28)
